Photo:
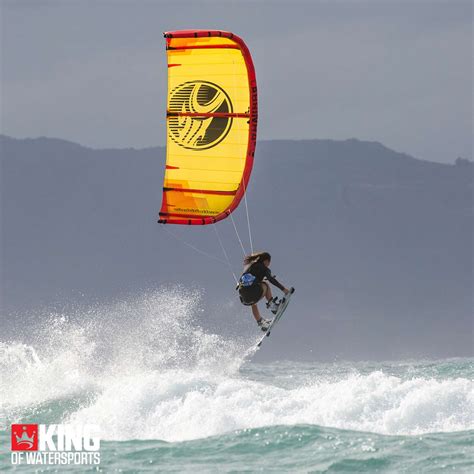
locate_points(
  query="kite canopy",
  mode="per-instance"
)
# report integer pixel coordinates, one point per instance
(211, 126)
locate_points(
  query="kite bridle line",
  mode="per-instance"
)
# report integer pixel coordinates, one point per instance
(225, 254)
(247, 212)
(196, 249)
(227, 261)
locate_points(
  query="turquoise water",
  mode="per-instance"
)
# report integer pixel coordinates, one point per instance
(300, 448)
(169, 396)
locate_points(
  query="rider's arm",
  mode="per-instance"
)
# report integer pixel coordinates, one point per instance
(273, 280)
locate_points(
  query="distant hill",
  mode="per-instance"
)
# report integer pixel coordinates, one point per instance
(377, 243)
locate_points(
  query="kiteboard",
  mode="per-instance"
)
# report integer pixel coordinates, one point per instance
(281, 309)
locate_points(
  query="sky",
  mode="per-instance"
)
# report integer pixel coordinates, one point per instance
(394, 71)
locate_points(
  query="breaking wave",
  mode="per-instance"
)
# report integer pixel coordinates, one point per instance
(144, 368)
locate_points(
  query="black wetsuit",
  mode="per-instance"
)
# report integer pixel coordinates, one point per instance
(250, 295)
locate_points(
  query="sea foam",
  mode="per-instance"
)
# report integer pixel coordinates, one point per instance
(144, 368)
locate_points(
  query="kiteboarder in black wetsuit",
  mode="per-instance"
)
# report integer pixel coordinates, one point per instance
(253, 285)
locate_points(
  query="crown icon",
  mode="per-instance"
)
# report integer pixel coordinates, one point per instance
(24, 438)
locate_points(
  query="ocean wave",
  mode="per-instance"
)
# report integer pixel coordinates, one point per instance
(144, 368)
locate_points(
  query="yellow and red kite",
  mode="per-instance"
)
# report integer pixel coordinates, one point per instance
(211, 126)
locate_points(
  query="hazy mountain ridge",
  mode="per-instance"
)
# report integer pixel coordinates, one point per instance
(374, 240)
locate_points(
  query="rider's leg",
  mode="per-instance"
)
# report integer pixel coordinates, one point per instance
(256, 313)
(267, 292)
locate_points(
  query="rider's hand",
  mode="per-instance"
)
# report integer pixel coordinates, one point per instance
(286, 291)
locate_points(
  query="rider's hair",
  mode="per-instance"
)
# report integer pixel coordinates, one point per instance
(257, 257)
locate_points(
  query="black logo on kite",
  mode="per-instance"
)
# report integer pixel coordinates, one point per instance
(194, 131)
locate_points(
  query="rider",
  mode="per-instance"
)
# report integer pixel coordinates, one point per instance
(252, 286)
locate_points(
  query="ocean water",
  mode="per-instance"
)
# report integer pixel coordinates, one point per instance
(170, 396)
